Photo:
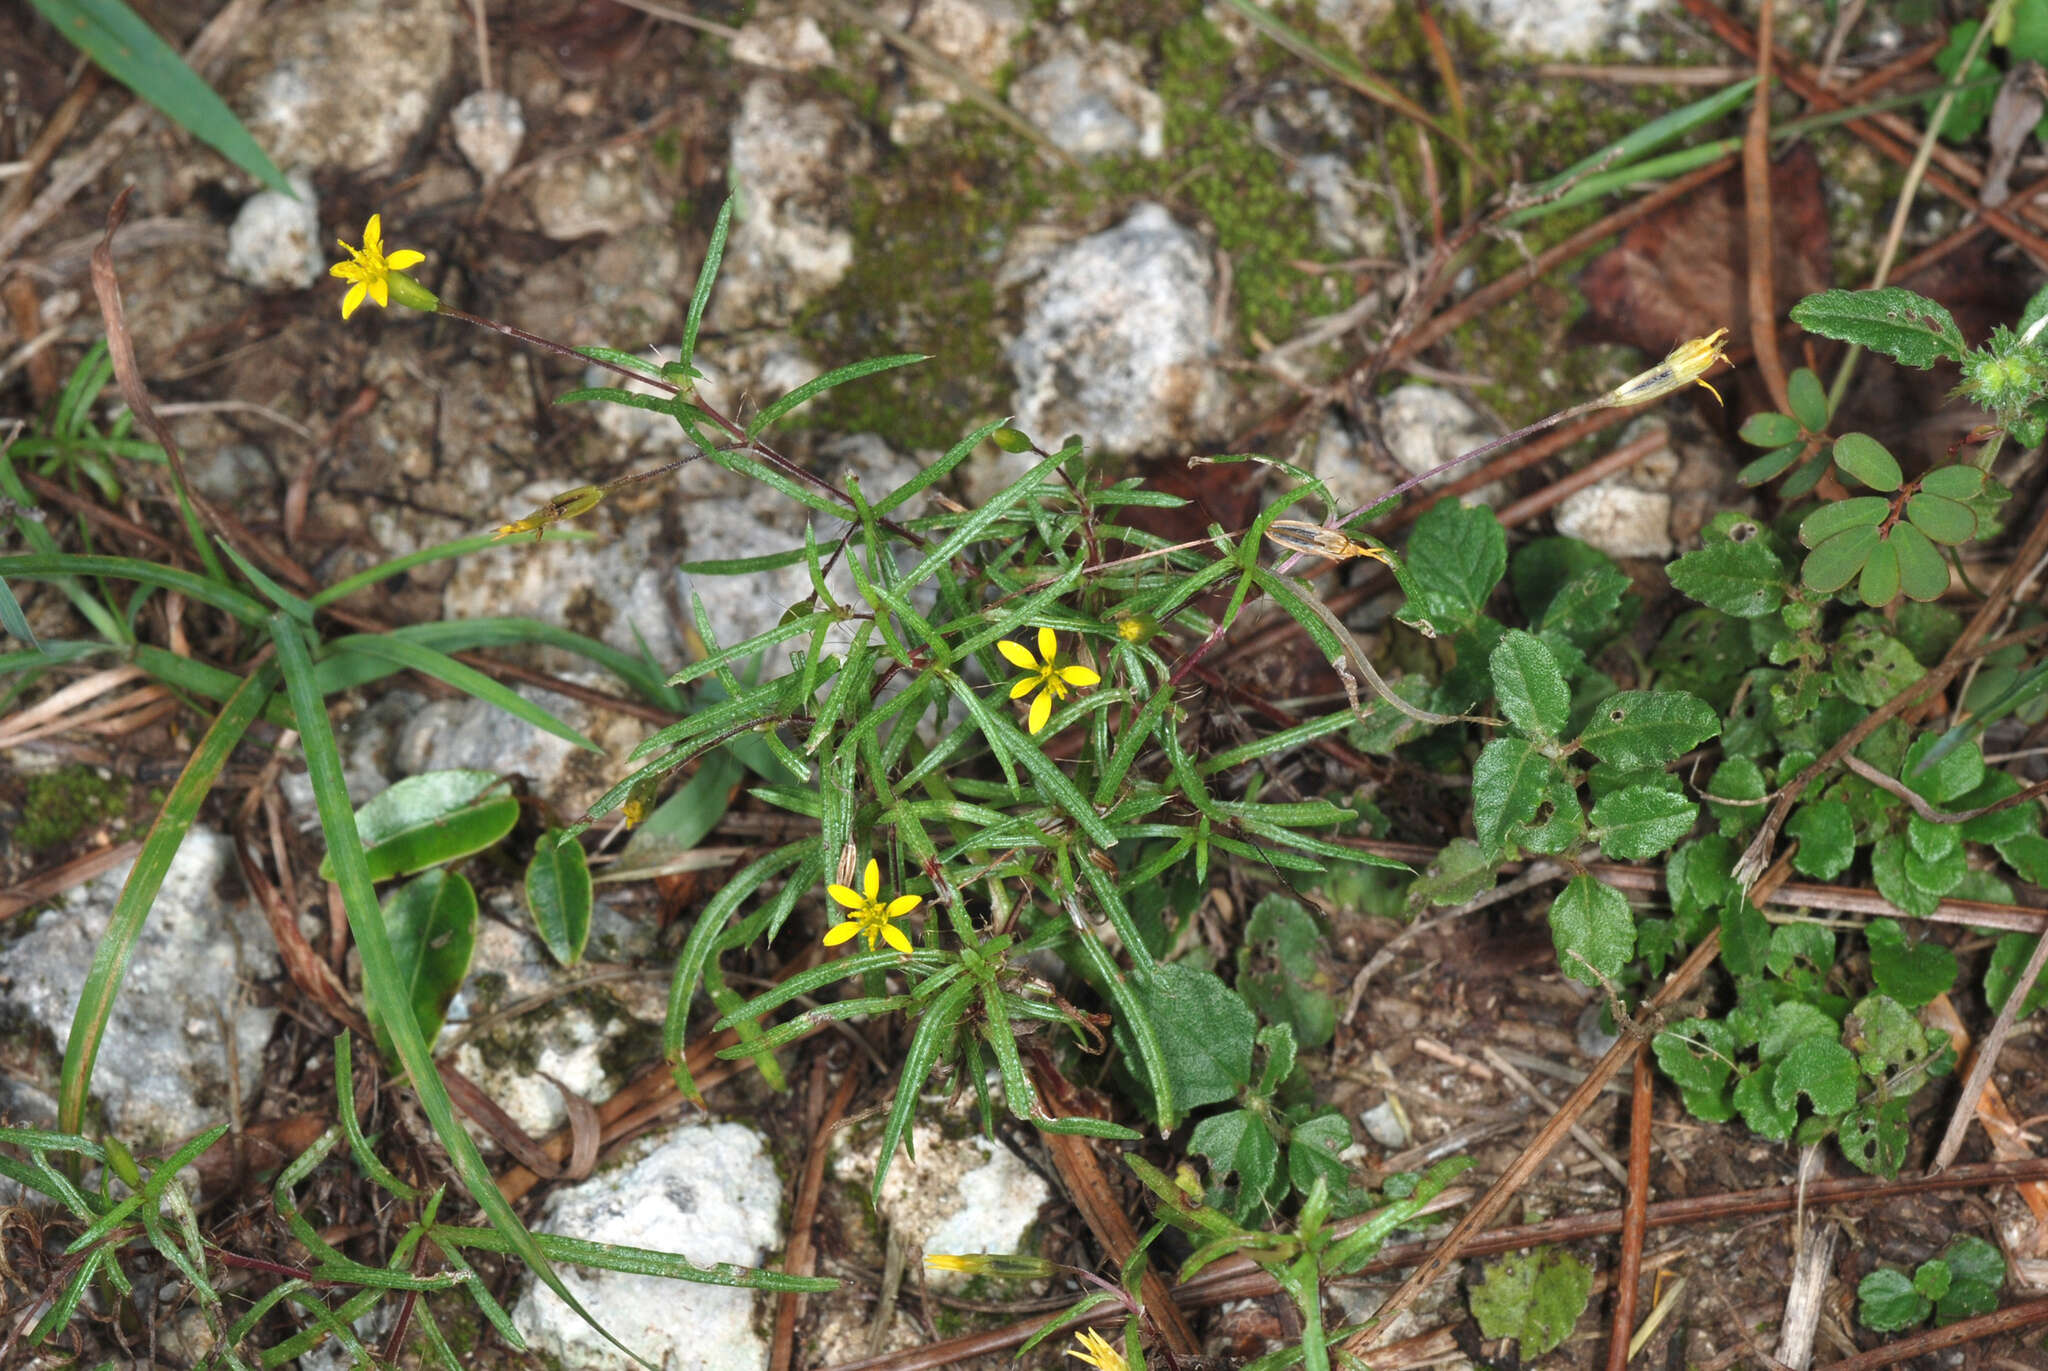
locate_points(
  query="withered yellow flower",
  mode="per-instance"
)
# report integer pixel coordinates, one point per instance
(1686, 365)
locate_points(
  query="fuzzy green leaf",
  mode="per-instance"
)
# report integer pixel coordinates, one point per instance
(1648, 728)
(1744, 579)
(1592, 929)
(1239, 1143)
(1529, 684)
(1642, 821)
(1455, 557)
(1976, 1273)
(1887, 1302)
(1827, 838)
(1889, 320)
(1822, 1070)
(1507, 784)
(1533, 1297)
(1911, 975)
(1205, 1033)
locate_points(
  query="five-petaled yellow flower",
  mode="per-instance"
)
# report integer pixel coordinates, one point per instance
(867, 915)
(1097, 1352)
(377, 276)
(1047, 677)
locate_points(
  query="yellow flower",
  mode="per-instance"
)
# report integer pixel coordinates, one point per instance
(1096, 1351)
(378, 276)
(868, 916)
(1687, 363)
(1047, 677)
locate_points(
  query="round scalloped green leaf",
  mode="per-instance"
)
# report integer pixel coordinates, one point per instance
(1770, 464)
(1863, 457)
(1809, 400)
(1830, 519)
(1836, 562)
(1880, 580)
(1769, 430)
(1923, 575)
(1942, 519)
(1956, 482)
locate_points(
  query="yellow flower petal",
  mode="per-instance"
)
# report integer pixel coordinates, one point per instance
(850, 898)
(1079, 676)
(1048, 645)
(351, 301)
(1041, 710)
(380, 291)
(347, 271)
(895, 937)
(373, 235)
(871, 880)
(404, 258)
(902, 905)
(841, 933)
(1016, 656)
(1024, 686)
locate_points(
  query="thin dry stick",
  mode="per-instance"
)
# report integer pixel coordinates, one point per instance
(1955, 1335)
(1761, 228)
(1511, 1181)
(1635, 1221)
(1987, 1057)
(1580, 1135)
(802, 1257)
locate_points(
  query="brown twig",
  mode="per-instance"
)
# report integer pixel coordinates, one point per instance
(1635, 1219)
(1955, 1335)
(802, 1256)
(1987, 1057)
(1762, 229)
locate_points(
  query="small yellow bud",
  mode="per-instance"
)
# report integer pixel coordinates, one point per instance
(1686, 365)
(1298, 535)
(990, 1264)
(567, 505)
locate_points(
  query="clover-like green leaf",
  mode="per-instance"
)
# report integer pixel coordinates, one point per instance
(1879, 583)
(1809, 400)
(1771, 464)
(1940, 518)
(1769, 429)
(1838, 560)
(1841, 515)
(1861, 456)
(1923, 575)
(1959, 482)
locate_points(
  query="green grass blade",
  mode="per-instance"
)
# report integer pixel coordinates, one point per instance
(714, 253)
(853, 371)
(55, 565)
(1653, 135)
(934, 1035)
(381, 975)
(129, 51)
(465, 678)
(13, 620)
(460, 547)
(131, 909)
